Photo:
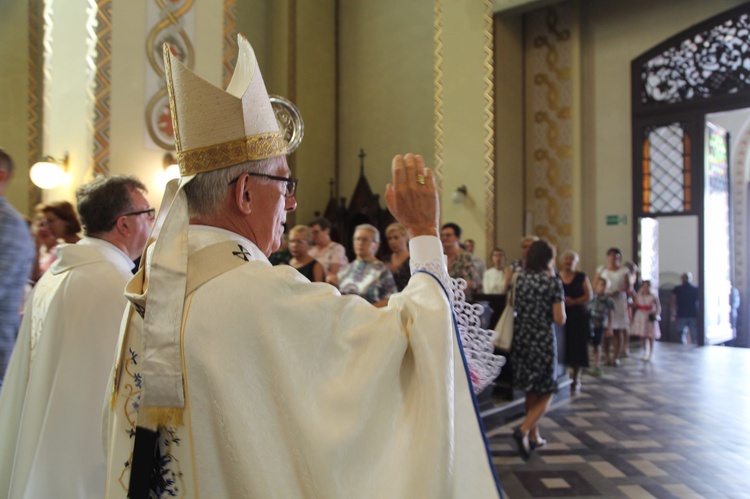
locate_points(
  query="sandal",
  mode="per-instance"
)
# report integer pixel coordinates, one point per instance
(537, 444)
(523, 444)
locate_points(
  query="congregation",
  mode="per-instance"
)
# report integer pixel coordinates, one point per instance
(289, 397)
(196, 302)
(383, 322)
(116, 221)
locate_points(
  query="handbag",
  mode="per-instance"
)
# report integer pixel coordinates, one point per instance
(503, 337)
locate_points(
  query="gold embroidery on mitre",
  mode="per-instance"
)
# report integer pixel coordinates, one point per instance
(170, 93)
(234, 152)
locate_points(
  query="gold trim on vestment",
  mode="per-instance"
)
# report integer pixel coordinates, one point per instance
(188, 302)
(215, 157)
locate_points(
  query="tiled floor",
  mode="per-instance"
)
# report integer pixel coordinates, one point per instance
(676, 427)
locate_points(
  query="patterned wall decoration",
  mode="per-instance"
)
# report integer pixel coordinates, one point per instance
(35, 103)
(100, 63)
(488, 111)
(489, 127)
(549, 52)
(168, 21)
(713, 62)
(438, 70)
(229, 36)
(740, 177)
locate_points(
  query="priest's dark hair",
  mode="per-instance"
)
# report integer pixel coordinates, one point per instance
(105, 199)
(540, 254)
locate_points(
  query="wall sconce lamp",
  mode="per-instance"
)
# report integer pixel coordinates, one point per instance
(171, 167)
(49, 172)
(459, 195)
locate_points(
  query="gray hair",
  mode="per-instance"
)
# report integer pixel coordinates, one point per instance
(207, 191)
(371, 228)
(571, 253)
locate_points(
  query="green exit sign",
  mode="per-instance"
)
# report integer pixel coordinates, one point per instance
(617, 219)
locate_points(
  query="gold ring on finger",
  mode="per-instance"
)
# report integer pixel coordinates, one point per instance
(420, 179)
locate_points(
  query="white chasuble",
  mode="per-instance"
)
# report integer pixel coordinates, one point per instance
(292, 390)
(50, 405)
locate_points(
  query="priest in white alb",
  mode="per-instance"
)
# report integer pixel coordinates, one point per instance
(236, 379)
(50, 404)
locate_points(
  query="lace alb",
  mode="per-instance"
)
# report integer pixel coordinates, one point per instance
(484, 365)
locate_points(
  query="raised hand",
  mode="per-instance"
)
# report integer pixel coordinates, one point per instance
(412, 196)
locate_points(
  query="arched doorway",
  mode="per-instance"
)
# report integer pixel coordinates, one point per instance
(682, 176)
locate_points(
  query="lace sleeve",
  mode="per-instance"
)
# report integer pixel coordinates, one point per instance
(484, 366)
(434, 267)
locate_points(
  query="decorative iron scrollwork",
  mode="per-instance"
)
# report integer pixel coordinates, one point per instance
(713, 62)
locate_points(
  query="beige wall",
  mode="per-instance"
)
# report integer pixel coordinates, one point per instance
(315, 160)
(611, 34)
(386, 100)
(385, 97)
(13, 101)
(301, 68)
(129, 153)
(509, 130)
(68, 111)
(465, 137)
(253, 19)
(614, 33)
(67, 107)
(385, 87)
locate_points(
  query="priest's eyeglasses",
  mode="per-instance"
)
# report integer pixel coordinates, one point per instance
(291, 183)
(150, 213)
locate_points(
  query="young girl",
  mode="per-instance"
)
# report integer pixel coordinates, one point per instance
(601, 309)
(646, 319)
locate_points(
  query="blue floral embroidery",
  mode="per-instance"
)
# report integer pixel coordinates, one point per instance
(138, 380)
(166, 477)
(133, 356)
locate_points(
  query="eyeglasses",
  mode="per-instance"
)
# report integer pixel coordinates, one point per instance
(150, 213)
(361, 239)
(291, 183)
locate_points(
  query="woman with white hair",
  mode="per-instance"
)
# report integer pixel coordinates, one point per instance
(578, 327)
(366, 276)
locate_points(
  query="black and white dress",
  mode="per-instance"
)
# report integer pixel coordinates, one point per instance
(534, 351)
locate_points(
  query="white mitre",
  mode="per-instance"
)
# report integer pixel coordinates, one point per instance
(213, 129)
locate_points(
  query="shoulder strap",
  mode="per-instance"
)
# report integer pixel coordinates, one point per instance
(512, 290)
(213, 261)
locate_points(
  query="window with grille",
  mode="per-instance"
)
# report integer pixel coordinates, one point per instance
(667, 179)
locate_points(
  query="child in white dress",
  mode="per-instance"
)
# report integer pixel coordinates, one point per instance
(646, 319)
